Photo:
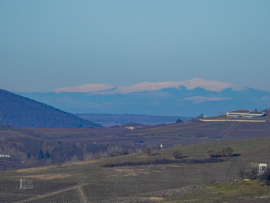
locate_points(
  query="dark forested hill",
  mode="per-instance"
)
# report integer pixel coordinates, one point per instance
(21, 111)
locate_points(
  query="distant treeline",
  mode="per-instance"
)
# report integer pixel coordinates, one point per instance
(131, 118)
(28, 150)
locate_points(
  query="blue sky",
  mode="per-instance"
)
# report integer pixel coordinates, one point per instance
(51, 44)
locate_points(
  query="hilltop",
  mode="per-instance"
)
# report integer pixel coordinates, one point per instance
(20, 111)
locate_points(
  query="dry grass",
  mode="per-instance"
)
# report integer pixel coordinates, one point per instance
(122, 172)
(36, 169)
(49, 176)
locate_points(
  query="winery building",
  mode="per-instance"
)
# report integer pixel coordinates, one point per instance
(244, 114)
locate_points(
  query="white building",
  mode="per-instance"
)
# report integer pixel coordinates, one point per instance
(244, 114)
(5, 157)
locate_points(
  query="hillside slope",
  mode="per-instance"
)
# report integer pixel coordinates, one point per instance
(21, 111)
(92, 182)
(206, 130)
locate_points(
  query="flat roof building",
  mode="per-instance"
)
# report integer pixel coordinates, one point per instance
(244, 113)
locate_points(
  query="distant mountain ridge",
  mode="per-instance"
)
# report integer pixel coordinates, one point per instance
(20, 111)
(216, 86)
(179, 98)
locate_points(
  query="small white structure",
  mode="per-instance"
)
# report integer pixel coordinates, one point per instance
(5, 155)
(161, 146)
(26, 184)
(262, 168)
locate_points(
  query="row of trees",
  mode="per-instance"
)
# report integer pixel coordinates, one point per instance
(225, 152)
(176, 153)
(32, 152)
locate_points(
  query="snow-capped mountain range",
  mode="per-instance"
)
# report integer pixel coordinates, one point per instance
(215, 86)
(174, 98)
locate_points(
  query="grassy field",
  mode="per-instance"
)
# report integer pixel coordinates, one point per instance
(170, 135)
(89, 181)
(238, 192)
(208, 130)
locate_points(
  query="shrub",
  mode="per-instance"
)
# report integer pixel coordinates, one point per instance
(249, 174)
(227, 151)
(252, 174)
(265, 177)
(148, 150)
(97, 156)
(210, 153)
(177, 154)
(179, 121)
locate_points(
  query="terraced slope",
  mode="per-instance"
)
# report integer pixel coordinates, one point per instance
(95, 183)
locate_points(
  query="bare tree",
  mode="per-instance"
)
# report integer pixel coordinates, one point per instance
(88, 156)
(74, 158)
(97, 156)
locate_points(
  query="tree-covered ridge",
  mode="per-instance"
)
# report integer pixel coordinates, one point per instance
(21, 111)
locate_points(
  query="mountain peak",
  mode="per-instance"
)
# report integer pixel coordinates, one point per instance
(210, 85)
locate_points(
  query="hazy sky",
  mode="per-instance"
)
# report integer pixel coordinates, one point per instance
(52, 44)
